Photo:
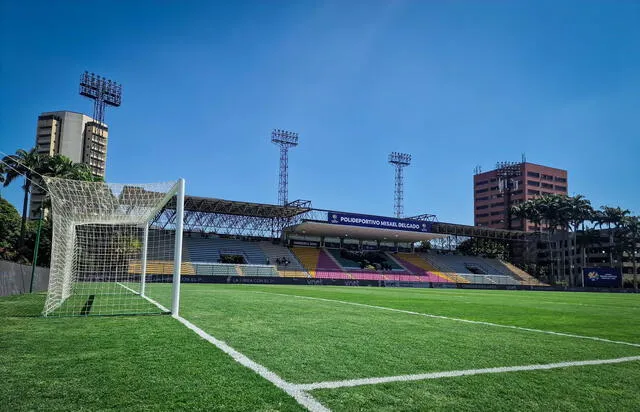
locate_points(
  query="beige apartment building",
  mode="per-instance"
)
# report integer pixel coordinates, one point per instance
(74, 135)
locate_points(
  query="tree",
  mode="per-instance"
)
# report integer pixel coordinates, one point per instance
(631, 229)
(9, 224)
(579, 211)
(26, 164)
(614, 218)
(484, 247)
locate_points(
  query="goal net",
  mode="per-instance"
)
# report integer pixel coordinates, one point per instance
(108, 254)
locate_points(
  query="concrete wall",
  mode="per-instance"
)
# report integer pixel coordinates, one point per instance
(15, 278)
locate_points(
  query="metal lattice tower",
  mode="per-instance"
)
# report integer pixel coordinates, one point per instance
(285, 140)
(103, 91)
(400, 161)
(507, 172)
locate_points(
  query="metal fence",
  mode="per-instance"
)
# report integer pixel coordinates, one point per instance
(16, 278)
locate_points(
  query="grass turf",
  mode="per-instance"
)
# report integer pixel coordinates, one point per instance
(309, 340)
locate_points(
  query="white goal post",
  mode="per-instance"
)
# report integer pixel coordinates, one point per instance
(108, 257)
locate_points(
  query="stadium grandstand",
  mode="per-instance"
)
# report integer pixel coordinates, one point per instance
(251, 242)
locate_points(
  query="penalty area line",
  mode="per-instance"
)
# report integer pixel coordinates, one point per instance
(303, 398)
(475, 322)
(450, 374)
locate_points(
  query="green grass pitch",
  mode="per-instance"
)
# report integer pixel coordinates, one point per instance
(155, 363)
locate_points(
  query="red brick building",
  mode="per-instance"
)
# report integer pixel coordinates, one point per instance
(533, 180)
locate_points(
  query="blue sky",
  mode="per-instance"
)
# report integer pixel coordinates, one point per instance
(455, 83)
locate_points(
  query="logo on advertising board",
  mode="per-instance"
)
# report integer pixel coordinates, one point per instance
(602, 277)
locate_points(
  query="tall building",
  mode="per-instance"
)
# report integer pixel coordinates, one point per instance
(74, 135)
(529, 180)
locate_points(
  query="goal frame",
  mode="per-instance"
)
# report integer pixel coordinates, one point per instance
(63, 274)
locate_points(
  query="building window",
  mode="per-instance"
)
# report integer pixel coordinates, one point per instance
(497, 213)
(547, 185)
(533, 183)
(562, 188)
(482, 191)
(480, 199)
(533, 192)
(547, 177)
(494, 187)
(497, 204)
(533, 174)
(493, 179)
(482, 207)
(479, 215)
(482, 182)
(561, 180)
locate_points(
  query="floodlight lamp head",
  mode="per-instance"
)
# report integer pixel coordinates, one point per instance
(400, 159)
(284, 137)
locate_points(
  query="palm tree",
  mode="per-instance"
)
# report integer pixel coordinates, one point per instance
(631, 228)
(580, 211)
(26, 164)
(613, 217)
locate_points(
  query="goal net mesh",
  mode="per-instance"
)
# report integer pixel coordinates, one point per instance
(107, 256)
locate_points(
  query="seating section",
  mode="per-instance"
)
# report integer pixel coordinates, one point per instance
(350, 264)
(421, 267)
(201, 257)
(473, 269)
(308, 257)
(276, 252)
(209, 249)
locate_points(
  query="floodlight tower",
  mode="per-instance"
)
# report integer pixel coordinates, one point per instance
(400, 161)
(103, 91)
(285, 140)
(507, 173)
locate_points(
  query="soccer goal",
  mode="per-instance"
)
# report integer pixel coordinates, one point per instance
(109, 255)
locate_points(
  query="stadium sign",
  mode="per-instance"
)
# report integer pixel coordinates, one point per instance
(378, 222)
(601, 277)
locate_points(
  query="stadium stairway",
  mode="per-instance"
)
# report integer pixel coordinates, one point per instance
(524, 277)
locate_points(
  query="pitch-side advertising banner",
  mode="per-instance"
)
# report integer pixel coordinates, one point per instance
(378, 222)
(601, 277)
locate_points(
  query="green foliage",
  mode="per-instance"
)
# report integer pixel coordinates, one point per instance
(484, 247)
(9, 224)
(30, 164)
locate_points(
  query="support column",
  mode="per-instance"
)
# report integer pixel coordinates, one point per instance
(143, 269)
(177, 257)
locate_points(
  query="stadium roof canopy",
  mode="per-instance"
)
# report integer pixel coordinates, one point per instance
(232, 207)
(319, 228)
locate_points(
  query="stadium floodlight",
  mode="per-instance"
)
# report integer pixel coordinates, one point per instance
(285, 140)
(400, 161)
(102, 91)
(107, 255)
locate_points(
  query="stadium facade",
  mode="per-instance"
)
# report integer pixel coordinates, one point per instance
(534, 180)
(74, 135)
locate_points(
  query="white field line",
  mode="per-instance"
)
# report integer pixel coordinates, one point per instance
(292, 390)
(450, 374)
(162, 308)
(475, 322)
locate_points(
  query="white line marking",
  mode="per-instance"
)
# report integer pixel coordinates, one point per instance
(450, 374)
(476, 322)
(291, 389)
